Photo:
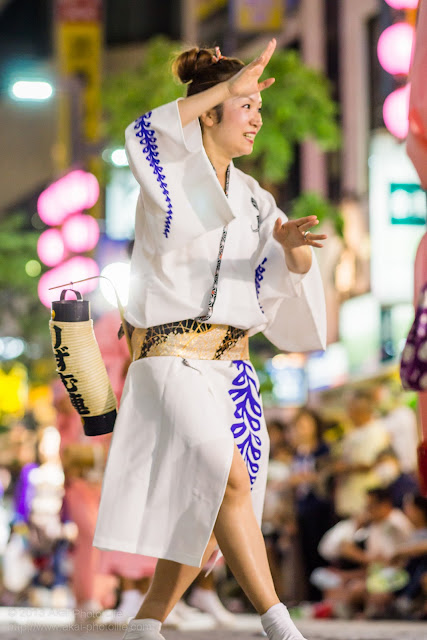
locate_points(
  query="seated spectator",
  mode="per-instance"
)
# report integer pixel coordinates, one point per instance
(364, 542)
(412, 555)
(389, 472)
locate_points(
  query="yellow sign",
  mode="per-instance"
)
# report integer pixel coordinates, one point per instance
(204, 8)
(79, 48)
(258, 15)
(79, 41)
(13, 390)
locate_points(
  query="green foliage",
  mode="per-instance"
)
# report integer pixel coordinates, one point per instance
(296, 108)
(311, 203)
(129, 94)
(19, 303)
(17, 247)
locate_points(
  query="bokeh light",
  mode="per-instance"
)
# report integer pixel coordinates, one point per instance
(11, 347)
(119, 158)
(76, 191)
(80, 233)
(33, 268)
(396, 110)
(395, 48)
(403, 4)
(50, 247)
(31, 90)
(76, 268)
(119, 274)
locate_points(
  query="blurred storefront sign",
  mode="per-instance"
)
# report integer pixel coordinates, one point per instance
(257, 15)
(289, 378)
(78, 37)
(79, 10)
(394, 194)
(407, 203)
(327, 369)
(360, 333)
(295, 375)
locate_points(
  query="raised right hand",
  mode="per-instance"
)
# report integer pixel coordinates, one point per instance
(245, 82)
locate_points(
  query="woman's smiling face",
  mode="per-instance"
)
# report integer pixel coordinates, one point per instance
(241, 120)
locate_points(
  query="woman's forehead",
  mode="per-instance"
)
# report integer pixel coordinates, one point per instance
(254, 97)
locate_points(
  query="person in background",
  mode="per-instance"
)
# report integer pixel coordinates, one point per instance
(401, 423)
(313, 506)
(278, 520)
(354, 469)
(411, 601)
(390, 475)
(365, 545)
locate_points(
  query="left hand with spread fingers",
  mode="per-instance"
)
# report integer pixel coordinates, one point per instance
(295, 233)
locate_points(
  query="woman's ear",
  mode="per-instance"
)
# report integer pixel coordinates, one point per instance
(208, 118)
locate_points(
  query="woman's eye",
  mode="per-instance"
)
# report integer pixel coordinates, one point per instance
(246, 105)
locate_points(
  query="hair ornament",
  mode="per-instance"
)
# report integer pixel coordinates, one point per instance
(218, 55)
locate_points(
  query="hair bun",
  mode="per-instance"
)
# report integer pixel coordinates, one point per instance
(190, 62)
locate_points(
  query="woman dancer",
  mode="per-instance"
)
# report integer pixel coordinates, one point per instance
(214, 261)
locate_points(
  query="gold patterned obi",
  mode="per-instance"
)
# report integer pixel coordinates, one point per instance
(190, 339)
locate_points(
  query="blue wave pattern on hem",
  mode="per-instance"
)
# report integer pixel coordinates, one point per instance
(149, 140)
(259, 277)
(246, 397)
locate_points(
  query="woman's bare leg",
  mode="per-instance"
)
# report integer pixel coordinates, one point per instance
(240, 539)
(170, 581)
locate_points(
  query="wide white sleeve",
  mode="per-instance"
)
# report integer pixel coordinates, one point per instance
(294, 304)
(181, 198)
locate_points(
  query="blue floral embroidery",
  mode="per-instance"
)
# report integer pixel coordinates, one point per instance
(259, 277)
(148, 139)
(245, 395)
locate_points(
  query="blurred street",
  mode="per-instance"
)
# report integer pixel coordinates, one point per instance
(313, 630)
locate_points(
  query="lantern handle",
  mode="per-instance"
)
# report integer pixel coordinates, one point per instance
(64, 293)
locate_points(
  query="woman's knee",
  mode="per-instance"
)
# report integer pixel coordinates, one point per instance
(238, 484)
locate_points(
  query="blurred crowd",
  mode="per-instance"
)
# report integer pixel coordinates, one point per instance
(344, 522)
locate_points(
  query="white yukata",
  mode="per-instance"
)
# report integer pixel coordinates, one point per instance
(173, 441)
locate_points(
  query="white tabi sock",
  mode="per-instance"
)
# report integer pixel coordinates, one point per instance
(145, 624)
(141, 627)
(278, 625)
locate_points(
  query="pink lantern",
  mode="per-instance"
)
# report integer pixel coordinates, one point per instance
(403, 4)
(395, 48)
(396, 112)
(74, 269)
(80, 232)
(50, 247)
(74, 192)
